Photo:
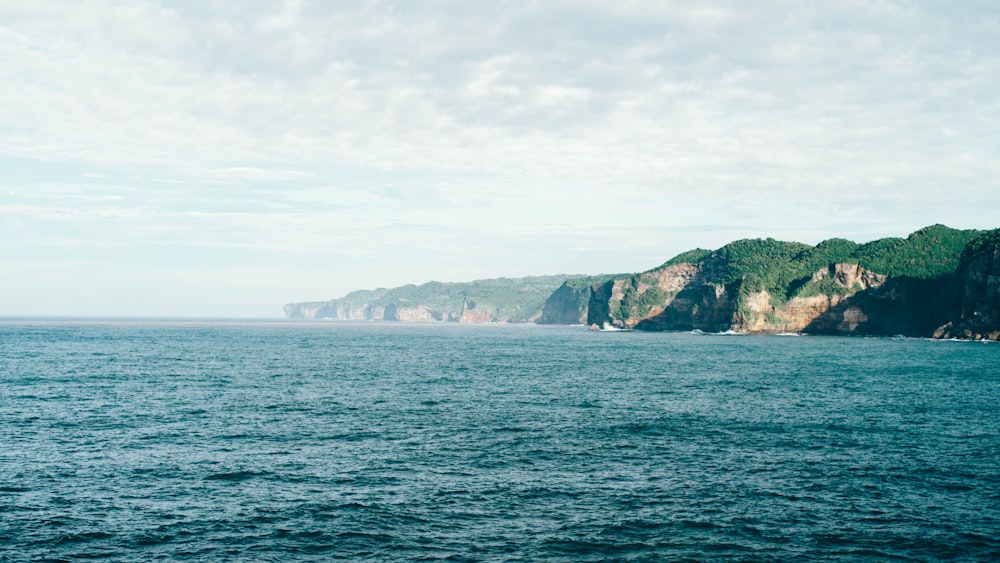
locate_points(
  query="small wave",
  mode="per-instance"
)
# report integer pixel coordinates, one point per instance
(83, 538)
(515, 429)
(642, 428)
(729, 332)
(700, 525)
(152, 539)
(9, 489)
(235, 476)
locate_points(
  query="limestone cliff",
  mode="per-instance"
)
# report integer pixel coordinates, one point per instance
(889, 286)
(489, 300)
(676, 297)
(830, 312)
(937, 281)
(419, 313)
(691, 296)
(341, 310)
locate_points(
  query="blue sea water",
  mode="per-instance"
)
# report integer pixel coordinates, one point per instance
(210, 441)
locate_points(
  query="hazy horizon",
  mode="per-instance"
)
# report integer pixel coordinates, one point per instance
(210, 159)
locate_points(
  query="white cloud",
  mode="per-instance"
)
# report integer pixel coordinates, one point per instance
(248, 173)
(300, 127)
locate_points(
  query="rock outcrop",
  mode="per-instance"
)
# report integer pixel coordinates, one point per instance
(762, 286)
(481, 301)
(938, 281)
(420, 313)
(976, 314)
(691, 296)
(568, 305)
(677, 297)
(835, 312)
(339, 310)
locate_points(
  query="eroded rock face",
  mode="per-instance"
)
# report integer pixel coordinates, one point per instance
(691, 296)
(300, 311)
(678, 297)
(472, 314)
(834, 314)
(478, 317)
(333, 310)
(566, 306)
(416, 314)
(709, 308)
(673, 279)
(851, 276)
(977, 313)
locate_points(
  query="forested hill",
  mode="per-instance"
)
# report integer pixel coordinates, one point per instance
(936, 281)
(888, 286)
(488, 300)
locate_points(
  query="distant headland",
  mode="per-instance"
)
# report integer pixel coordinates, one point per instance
(937, 282)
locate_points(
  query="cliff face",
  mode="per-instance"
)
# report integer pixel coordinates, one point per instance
(976, 313)
(836, 312)
(341, 310)
(420, 313)
(677, 297)
(693, 296)
(938, 281)
(491, 300)
(568, 305)
(763, 286)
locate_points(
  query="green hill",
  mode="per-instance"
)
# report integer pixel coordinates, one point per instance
(499, 299)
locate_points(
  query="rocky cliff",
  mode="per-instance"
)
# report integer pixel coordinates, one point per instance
(356, 306)
(481, 301)
(568, 305)
(890, 286)
(689, 296)
(976, 289)
(937, 281)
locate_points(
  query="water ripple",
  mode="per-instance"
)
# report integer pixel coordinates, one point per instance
(271, 442)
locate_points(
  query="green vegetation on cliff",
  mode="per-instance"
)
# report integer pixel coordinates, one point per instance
(928, 253)
(569, 303)
(887, 286)
(988, 241)
(514, 299)
(634, 303)
(976, 311)
(783, 269)
(702, 288)
(689, 257)
(763, 264)
(508, 299)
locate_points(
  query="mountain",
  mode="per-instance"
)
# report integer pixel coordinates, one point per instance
(938, 281)
(490, 300)
(913, 286)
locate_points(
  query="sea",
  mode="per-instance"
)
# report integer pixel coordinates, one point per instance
(195, 440)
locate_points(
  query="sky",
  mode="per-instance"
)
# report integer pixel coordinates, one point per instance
(221, 159)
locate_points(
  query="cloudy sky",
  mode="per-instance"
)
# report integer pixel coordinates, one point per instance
(223, 158)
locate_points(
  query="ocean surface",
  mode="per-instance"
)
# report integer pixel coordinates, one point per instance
(288, 441)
